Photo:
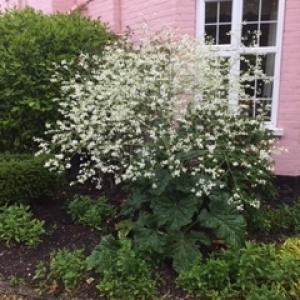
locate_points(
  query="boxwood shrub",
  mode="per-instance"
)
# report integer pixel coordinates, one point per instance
(23, 179)
(30, 43)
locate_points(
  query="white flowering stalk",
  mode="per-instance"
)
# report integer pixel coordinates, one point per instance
(160, 104)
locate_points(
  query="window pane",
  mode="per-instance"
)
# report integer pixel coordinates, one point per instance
(268, 64)
(264, 89)
(224, 34)
(248, 107)
(247, 62)
(225, 11)
(211, 9)
(250, 34)
(263, 108)
(268, 35)
(269, 10)
(251, 10)
(211, 33)
(250, 88)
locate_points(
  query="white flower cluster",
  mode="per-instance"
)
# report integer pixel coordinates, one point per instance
(159, 104)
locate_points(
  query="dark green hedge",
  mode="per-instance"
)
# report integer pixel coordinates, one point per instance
(30, 43)
(24, 179)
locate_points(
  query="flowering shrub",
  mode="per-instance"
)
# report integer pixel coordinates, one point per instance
(140, 111)
(156, 115)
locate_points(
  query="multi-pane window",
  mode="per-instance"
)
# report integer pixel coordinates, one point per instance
(252, 29)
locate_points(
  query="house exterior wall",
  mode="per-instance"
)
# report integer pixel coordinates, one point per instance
(46, 5)
(108, 11)
(289, 101)
(181, 14)
(60, 6)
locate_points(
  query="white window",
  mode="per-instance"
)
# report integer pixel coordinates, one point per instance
(256, 28)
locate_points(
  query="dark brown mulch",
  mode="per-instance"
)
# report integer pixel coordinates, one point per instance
(20, 261)
(61, 232)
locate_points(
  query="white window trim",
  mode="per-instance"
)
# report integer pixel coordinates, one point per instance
(237, 12)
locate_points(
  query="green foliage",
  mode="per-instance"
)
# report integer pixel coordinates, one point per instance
(284, 218)
(176, 224)
(243, 273)
(291, 246)
(224, 220)
(89, 212)
(211, 279)
(18, 225)
(68, 267)
(264, 293)
(23, 178)
(124, 273)
(30, 43)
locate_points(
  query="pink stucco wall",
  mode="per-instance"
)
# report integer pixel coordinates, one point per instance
(46, 5)
(158, 14)
(7, 4)
(289, 101)
(108, 11)
(61, 6)
(181, 14)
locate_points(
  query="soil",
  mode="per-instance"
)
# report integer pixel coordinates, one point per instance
(18, 263)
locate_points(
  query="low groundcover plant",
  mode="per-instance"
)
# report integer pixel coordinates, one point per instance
(244, 273)
(18, 225)
(89, 212)
(124, 273)
(68, 267)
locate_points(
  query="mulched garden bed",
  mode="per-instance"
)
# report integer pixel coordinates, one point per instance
(61, 232)
(19, 262)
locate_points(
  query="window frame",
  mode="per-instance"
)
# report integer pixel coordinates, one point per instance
(235, 48)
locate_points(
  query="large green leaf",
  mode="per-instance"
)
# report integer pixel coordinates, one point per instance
(224, 219)
(146, 234)
(149, 239)
(163, 178)
(174, 213)
(104, 254)
(134, 202)
(184, 250)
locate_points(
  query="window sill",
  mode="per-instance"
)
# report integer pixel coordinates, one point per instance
(276, 131)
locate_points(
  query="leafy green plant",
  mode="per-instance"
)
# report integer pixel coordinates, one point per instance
(211, 279)
(243, 273)
(23, 178)
(15, 281)
(18, 225)
(30, 44)
(284, 218)
(291, 246)
(264, 293)
(124, 273)
(41, 271)
(177, 225)
(89, 212)
(68, 267)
